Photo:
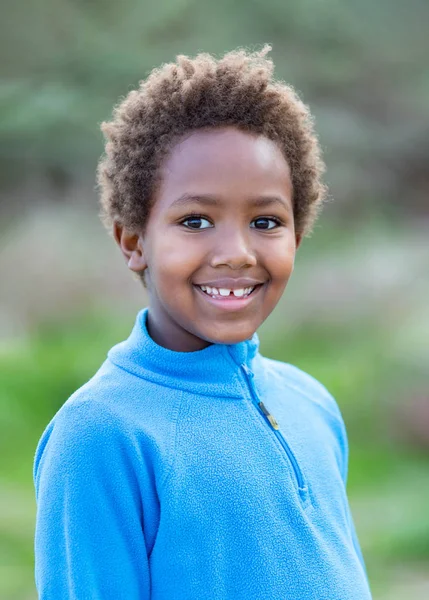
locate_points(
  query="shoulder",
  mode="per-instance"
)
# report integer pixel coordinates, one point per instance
(303, 384)
(86, 423)
(316, 396)
(113, 418)
(94, 410)
(100, 407)
(82, 425)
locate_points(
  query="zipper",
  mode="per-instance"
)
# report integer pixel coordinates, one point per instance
(269, 418)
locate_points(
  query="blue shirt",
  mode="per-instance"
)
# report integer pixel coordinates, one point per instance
(217, 474)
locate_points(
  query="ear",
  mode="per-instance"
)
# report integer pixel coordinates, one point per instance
(131, 247)
(298, 240)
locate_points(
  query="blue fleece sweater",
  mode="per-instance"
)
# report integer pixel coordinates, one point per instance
(217, 474)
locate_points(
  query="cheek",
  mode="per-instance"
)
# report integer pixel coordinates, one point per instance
(173, 260)
(280, 262)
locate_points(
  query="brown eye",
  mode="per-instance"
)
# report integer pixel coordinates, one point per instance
(196, 223)
(265, 223)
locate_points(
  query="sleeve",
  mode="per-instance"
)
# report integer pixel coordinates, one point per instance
(89, 541)
(344, 472)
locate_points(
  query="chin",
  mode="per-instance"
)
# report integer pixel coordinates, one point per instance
(229, 336)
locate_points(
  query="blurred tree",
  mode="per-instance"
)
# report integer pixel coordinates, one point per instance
(361, 66)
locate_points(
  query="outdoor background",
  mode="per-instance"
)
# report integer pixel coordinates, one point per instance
(356, 312)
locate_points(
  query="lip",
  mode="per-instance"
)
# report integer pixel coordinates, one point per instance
(229, 303)
(231, 283)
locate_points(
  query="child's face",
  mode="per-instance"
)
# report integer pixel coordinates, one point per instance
(222, 218)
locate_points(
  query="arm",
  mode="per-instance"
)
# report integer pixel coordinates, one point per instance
(89, 541)
(344, 472)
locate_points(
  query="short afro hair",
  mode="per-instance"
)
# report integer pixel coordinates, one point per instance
(204, 92)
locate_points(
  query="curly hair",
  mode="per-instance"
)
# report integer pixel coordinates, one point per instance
(204, 92)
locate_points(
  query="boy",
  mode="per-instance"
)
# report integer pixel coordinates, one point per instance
(190, 466)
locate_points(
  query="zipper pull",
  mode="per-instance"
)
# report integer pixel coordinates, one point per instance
(248, 372)
(270, 417)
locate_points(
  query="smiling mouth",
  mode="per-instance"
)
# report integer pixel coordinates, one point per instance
(229, 297)
(225, 293)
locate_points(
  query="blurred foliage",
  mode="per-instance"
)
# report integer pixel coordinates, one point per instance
(362, 66)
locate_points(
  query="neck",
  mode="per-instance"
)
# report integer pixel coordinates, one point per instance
(171, 336)
(214, 370)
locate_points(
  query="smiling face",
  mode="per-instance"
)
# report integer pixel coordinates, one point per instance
(219, 244)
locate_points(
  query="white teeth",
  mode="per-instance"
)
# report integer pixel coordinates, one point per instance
(239, 293)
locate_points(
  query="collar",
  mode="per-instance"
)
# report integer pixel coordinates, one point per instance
(213, 371)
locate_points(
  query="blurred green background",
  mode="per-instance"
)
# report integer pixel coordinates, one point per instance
(356, 312)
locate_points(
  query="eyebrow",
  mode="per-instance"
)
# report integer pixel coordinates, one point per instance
(207, 200)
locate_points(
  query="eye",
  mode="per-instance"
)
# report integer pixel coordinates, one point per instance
(265, 223)
(196, 222)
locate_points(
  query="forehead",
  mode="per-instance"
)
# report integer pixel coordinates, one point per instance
(224, 162)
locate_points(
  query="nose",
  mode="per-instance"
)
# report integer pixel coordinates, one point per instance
(233, 249)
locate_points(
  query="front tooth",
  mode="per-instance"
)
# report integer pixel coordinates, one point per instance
(214, 291)
(224, 292)
(239, 293)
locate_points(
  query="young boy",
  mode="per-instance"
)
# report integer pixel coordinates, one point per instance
(190, 467)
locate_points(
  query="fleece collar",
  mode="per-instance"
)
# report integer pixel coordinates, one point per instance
(213, 371)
